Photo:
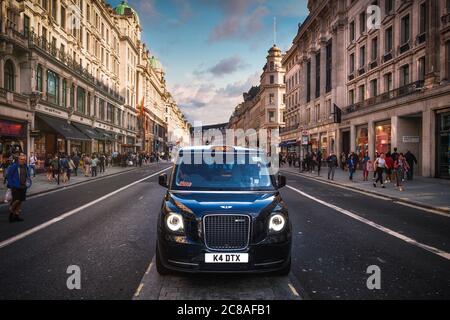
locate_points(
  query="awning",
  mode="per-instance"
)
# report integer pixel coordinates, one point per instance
(61, 126)
(91, 133)
(105, 135)
(288, 143)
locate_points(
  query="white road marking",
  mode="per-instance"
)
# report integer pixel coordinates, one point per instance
(138, 291)
(293, 290)
(423, 209)
(339, 186)
(393, 233)
(63, 216)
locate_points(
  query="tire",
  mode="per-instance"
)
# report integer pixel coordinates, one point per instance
(285, 271)
(162, 270)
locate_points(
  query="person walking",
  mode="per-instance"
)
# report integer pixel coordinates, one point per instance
(364, 163)
(55, 167)
(351, 164)
(102, 163)
(64, 165)
(94, 164)
(32, 164)
(332, 162)
(71, 168)
(380, 164)
(389, 166)
(76, 162)
(411, 160)
(19, 180)
(319, 162)
(400, 167)
(87, 165)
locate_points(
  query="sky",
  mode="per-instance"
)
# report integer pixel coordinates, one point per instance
(214, 50)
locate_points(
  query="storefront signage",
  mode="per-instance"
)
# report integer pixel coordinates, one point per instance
(52, 111)
(12, 129)
(411, 139)
(305, 140)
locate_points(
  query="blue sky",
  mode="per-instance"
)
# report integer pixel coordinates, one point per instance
(213, 50)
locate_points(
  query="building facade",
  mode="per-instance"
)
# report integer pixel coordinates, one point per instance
(73, 75)
(264, 105)
(391, 82)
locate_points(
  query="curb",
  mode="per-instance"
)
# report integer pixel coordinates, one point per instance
(62, 187)
(410, 202)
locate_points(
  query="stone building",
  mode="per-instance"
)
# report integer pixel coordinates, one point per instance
(73, 75)
(391, 82)
(263, 106)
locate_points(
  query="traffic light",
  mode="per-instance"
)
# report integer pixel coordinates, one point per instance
(337, 113)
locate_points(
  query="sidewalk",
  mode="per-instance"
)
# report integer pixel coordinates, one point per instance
(424, 192)
(41, 185)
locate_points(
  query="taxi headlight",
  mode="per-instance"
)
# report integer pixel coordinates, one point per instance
(277, 223)
(174, 222)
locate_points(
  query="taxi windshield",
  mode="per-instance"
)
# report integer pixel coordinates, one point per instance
(237, 171)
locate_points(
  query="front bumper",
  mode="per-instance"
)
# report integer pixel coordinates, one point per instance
(180, 253)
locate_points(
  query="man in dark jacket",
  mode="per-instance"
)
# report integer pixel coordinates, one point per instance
(332, 164)
(411, 160)
(19, 180)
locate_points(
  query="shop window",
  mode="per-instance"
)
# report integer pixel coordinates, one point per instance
(9, 76)
(64, 93)
(383, 138)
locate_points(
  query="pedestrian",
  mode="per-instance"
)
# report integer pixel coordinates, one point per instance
(351, 164)
(389, 166)
(87, 165)
(411, 160)
(94, 164)
(76, 162)
(64, 165)
(19, 180)
(102, 162)
(32, 164)
(400, 166)
(380, 164)
(394, 154)
(313, 161)
(332, 164)
(343, 161)
(289, 159)
(71, 168)
(319, 162)
(364, 163)
(55, 167)
(48, 167)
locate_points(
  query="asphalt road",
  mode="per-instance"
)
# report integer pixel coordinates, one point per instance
(113, 243)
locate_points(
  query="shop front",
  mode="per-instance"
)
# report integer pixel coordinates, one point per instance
(323, 145)
(362, 141)
(96, 138)
(13, 138)
(383, 137)
(443, 145)
(56, 135)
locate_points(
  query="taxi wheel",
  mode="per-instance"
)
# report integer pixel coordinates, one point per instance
(159, 266)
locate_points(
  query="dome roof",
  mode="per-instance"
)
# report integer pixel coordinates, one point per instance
(154, 63)
(124, 9)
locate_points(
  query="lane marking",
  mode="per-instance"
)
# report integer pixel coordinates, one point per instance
(339, 186)
(293, 290)
(138, 291)
(423, 209)
(393, 233)
(63, 216)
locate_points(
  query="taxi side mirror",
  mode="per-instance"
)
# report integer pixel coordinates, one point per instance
(162, 180)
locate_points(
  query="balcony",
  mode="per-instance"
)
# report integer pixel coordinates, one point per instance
(421, 38)
(361, 71)
(9, 97)
(10, 31)
(373, 64)
(384, 97)
(445, 19)
(404, 47)
(387, 57)
(51, 51)
(289, 129)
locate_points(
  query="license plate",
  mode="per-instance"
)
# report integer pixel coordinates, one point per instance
(226, 257)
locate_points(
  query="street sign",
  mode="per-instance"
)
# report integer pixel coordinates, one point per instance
(411, 139)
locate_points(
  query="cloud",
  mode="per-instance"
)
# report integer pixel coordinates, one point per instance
(242, 20)
(203, 101)
(227, 66)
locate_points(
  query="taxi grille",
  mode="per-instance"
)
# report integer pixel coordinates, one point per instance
(226, 232)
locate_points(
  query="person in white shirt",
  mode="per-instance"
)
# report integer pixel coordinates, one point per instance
(32, 163)
(380, 164)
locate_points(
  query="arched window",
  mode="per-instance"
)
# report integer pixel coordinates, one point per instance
(9, 76)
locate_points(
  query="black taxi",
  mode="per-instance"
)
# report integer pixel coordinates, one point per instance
(223, 212)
